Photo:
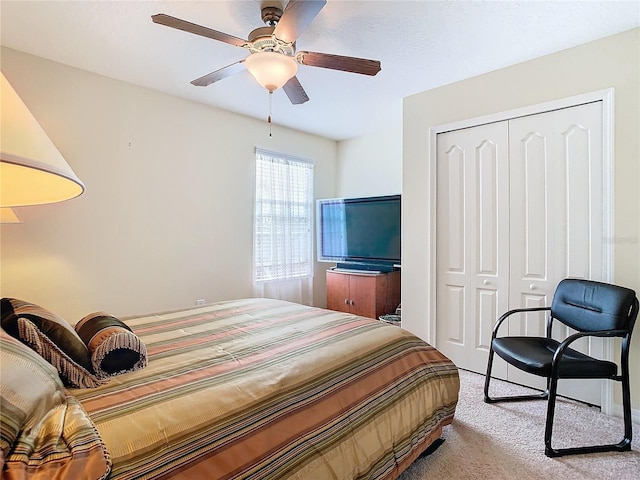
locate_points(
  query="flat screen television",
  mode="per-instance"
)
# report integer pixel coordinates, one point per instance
(359, 233)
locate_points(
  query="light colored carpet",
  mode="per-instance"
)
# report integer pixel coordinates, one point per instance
(506, 440)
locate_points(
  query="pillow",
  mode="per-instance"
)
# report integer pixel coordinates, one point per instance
(114, 348)
(45, 433)
(30, 387)
(52, 338)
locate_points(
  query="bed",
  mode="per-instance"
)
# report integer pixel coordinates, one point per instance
(264, 389)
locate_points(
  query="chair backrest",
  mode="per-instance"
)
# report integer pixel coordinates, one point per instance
(589, 306)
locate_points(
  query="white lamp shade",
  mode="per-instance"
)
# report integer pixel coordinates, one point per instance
(271, 69)
(32, 170)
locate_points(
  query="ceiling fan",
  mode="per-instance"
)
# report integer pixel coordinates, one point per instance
(273, 59)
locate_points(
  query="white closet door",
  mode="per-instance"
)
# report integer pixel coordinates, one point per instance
(519, 208)
(472, 241)
(556, 220)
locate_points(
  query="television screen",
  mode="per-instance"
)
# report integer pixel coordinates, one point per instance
(360, 230)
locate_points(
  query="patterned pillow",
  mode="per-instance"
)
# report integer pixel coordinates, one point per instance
(114, 348)
(44, 432)
(52, 338)
(30, 388)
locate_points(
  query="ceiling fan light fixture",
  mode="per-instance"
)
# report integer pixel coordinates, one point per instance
(271, 69)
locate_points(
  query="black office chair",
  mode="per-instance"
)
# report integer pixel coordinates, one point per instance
(592, 309)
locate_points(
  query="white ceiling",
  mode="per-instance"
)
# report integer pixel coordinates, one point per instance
(421, 45)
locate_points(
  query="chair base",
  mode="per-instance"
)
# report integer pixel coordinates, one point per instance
(550, 395)
(517, 398)
(623, 446)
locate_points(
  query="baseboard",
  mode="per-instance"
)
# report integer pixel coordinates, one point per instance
(635, 413)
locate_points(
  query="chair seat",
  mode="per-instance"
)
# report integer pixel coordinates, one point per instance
(534, 355)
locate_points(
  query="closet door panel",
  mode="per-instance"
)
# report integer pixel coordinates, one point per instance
(536, 197)
(582, 144)
(556, 214)
(452, 253)
(454, 209)
(531, 211)
(489, 226)
(472, 240)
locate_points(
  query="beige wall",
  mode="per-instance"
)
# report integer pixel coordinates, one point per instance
(167, 214)
(372, 164)
(610, 62)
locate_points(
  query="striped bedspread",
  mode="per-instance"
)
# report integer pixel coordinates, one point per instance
(265, 389)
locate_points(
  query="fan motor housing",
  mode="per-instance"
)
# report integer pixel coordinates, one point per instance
(260, 32)
(262, 40)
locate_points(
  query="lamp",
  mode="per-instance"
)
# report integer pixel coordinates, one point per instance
(32, 170)
(271, 69)
(7, 215)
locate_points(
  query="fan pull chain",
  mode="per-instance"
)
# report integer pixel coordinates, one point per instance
(270, 107)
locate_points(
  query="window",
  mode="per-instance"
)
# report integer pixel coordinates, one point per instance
(283, 215)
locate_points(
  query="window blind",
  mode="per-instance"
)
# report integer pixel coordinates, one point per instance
(283, 217)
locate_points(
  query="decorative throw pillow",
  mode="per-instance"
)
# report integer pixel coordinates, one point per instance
(114, 348)
(45, 433)
(52, 338)
(30, 387)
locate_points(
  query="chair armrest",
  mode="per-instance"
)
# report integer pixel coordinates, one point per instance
(506, 315)
(578, 335)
